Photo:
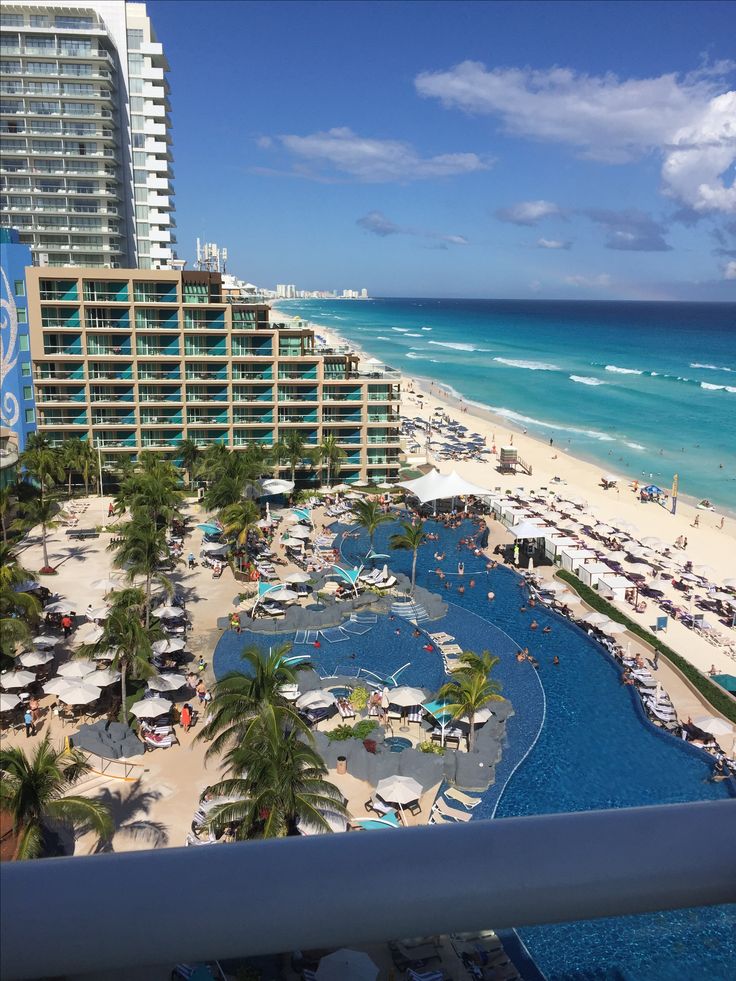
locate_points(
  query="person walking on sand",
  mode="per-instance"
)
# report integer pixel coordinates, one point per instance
(28, 722)
(696, 521)
(516, 554)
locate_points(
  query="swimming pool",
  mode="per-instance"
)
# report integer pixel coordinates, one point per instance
(578, 742)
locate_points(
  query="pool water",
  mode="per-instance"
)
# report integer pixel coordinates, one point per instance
(578, 741)
(397, 744)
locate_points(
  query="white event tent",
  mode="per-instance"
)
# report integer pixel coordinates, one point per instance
(435, 486)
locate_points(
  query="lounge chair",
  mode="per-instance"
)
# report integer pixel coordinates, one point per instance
(451, 649)
(465, 799)
(378, 806)
(424, 975)
(423, 952)
(452, 812)
(385, 584)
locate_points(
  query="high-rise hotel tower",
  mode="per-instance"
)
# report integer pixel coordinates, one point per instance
(85, 134)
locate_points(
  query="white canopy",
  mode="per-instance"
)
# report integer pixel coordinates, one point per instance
(527, 529)
(435, 486)
(275, 485)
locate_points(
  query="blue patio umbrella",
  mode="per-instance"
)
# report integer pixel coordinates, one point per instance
(210, 529)
(653, 489)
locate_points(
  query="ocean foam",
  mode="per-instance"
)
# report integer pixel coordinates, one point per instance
(718, 388)
(623, 371)
(458, 347)
(636, 446)
(585, 380)
(529, 365)
(711, 367)
(380, 338)
(401, 330)
(426, 328)
(413, 335)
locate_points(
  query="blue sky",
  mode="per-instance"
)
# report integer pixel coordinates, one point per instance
(459, 149)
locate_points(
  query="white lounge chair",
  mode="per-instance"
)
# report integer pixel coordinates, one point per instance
(465, 799)
(451, 812)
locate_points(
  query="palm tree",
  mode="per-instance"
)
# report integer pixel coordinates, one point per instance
(86, 462)
(238, 519)
(471, 689)
(124, 634)
(6, 497)
(278, 778)
(141, 551)
(39, 511)
(369, 515)
(70, 458)
(42, 463)
(332, 453)
(409, 540)
(151, 491)
(223, 493)
(34, 792)
(18, 611)
(189, 453)
(241, 701)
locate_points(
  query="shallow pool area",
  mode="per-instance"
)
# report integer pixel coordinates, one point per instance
(578, 741)
(397, 744)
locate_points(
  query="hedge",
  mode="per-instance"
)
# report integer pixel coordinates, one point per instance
(707, 688)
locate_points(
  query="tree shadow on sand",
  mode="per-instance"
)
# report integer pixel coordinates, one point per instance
(128, 812)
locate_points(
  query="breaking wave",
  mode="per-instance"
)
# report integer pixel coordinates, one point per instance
(529, 365)
(585, 380)
(458, 347)
(623, 371)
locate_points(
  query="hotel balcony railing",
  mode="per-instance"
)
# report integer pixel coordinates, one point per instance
(103, 420)
(97, 375)
(146, 351)
(382, 396)
(166, 396)
(329, 417)
(193, 395)
(253, 419)
(44, 398)
(74, 350)
(145, 374)
(112, 442)
(310, 375)
(153, 419)
(95, 351)
(251, 352)
(382, 440)
(122, 324)
(48, 373)
(265, 396)
(251, 375)
(297, 417)
(193, 374)
(287, 397)
(342, 397)
(266, 440)
(221, 419)
(115, 395)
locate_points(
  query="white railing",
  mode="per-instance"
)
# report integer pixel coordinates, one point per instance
(503, 873)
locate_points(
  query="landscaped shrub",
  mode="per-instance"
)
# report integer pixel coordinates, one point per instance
(359, 698)
(715, 695)
(340, 733)
(430, 747)
(363, 729)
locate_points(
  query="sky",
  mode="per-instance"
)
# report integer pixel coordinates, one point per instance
(461, 149)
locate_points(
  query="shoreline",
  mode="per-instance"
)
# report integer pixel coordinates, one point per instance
(542, 427)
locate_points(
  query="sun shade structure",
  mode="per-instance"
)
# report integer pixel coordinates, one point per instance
(435, 486)
(34, 659)
(346, 965)
(8, 702)
(79, 668)
(168, 612)
(78, 693)
(315, 699)
(151, 708)
(168, 646)
(399, 789)
(12, 680)
(269, 488)
(527, 529)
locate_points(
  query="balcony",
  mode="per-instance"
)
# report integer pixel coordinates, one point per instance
(146, 349)
(150, 292)
(195, 418)
(113, 419)
(153, 372)
(156, 319)
(330, 416)
(204, 319)
(196, 348)
(101, 393)
(101, 318)
(58, 318)
(74, 349)
(98, 291)
(250, 437)
(160, 439)
(116, 441)
(203, 372)
(254, 416)
(293, 373)
(248, 394)
(288, 393)
(152, 417)
(70, 372)
(206, 393)
(98, 347)
(242, 348)
(243, 373)
(146, 394)
(290, 416)
(208, 437)
(109, 372)
(64, 290)
(52, 418)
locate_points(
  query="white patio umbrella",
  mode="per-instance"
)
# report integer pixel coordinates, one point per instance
(88, 633)
(166, 682)
(299, 531)
(399, 789)
(274, 486)
(405, 696)
(151, 708)
(553, 587)
(76, 669)
(482, 715)
(97, 613)
(43, 640)
(604, 529)
(385, 486)
(8, 702)
(78, 693)
(34, 659)
(214, 548)
(263, 523)
(689, 577)
(55, 685)
(168, 612)
(595, 619)
(102, 677)
(315, 699)
(713, 725)
(297, 577)
(704, 570)
(60, 606)
(168, 645)
(729, 583)
(346, 965)
(613, 628)
(109, 655)
(283, 595)
(12, 680)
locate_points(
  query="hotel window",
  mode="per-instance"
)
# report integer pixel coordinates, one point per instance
(137, 122)
(19, 287)
(27, 393)
(39, 20)
(139, 140)
(25, 369)
(24, 343)
(140, 176)
(135, 64)
(41, 67)
(22, 315)
(135, 86)
(135, 40)
(11, 20)
(30, 415)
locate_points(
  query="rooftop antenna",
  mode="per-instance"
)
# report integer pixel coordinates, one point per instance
(210, 257)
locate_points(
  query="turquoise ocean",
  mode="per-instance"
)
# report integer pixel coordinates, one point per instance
(645, 389)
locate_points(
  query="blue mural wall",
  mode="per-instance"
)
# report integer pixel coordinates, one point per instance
(17, 405)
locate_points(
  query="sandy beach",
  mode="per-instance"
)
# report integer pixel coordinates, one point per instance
(707, 543)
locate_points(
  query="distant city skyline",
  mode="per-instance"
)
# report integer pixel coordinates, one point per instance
(492, 150)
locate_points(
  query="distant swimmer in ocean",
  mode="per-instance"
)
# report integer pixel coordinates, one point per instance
(555, 660)
(547, 630)
(491, 596)
(533, 625)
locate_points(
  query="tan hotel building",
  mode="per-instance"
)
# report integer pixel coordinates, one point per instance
(136, 359)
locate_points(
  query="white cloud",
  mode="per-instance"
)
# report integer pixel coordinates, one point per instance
(378, 224)
(552, 243)
(689, 120)
(344, 152)
(528, 212)
(730, 270)
(589, 282)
